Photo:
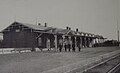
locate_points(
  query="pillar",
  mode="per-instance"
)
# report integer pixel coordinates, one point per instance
(75, 42)
(85, 41)
(81, 42)
(63, 40)
(56, 42)
(88, 41)
(91, 42)
(95, 41)
(70, 39)
(98, 40)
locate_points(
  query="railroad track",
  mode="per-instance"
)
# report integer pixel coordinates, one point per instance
(115, 69)
(111, 65)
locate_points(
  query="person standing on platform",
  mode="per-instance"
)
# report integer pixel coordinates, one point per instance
(79, 47)
(73, 46)
(60, 45)
(69, 45)
(65, 45)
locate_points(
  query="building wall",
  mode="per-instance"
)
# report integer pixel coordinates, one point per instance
(19, 39)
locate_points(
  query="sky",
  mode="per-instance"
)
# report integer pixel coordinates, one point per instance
(93, 16)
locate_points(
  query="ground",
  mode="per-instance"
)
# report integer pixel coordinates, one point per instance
(37, 62)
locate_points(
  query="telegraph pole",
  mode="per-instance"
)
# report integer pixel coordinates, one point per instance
(117, 30)
(118, 38)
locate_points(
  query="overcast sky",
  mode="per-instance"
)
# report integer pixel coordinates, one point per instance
(93, 16)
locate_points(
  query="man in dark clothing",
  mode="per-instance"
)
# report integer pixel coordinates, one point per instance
(79, 47)
(69, 47)
(60, 48)
(65, 47)
(60, 45)
(69, 44)
(66, 44)
(73, 47)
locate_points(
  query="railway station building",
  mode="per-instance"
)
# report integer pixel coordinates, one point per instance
(23, 35)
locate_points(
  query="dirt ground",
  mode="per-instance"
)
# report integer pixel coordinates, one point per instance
(37, 62)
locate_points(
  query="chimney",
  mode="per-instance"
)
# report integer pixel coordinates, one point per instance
(67, 27)
(77, 30)
(45, 24)
(39, 23)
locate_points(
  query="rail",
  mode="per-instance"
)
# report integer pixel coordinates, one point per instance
(104, 62)
(113, 70)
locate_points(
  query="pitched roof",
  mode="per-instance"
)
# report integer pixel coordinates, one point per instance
(64, 31)
(52, 30)
(61, 31)
(31, 26)
(36, 27)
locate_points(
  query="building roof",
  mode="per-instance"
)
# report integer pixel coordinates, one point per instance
(52, 30)
(36, 27)
(31, 26)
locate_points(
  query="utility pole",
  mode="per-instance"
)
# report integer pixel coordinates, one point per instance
(118, 35)
(117, 30)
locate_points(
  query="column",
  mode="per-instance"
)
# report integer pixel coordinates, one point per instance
(91, 42)
(70, 41)
(81, 42)
(95, 41)
(85, 41)
(55, 42)
(98, 40)
(63, 40)
(88, 42)
(75, 42)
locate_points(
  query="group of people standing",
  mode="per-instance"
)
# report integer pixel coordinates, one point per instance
(68, 45)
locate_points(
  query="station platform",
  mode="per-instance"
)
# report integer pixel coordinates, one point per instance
(54, 62)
